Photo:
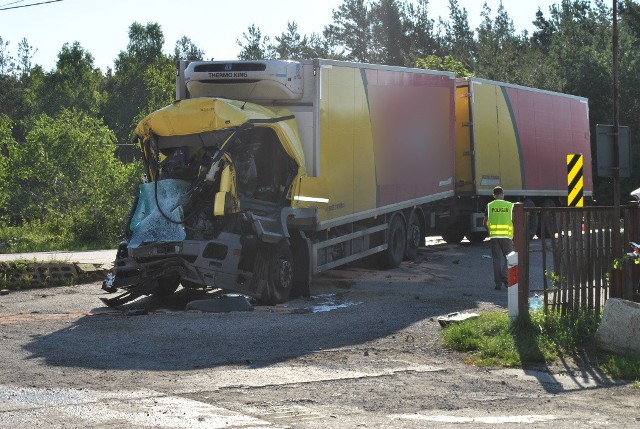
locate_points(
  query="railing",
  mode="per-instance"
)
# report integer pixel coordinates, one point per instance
(571, 263)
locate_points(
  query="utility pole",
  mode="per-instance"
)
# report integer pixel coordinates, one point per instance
(617, 251)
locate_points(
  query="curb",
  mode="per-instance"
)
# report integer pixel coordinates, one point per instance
(22, 274)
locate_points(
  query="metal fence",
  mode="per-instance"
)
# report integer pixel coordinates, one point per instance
(570, 263)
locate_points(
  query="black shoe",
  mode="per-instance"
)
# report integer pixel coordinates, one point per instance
(497, 288)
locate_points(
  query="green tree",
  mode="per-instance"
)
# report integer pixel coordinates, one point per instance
(543, 35)
(499, 49)
(129, 85)
(12, 84)
(25, 56)
(630, 13)
(581, 54)
(458, 40)
(351, 30)
(321, 47)
(65, 176)
(185, 49)
(159, 84)
(290, 45)
(420, 31)
(390, 43)
(6, 143)
(75, 83)
(629, 66)
(254, 46)
(448, 63)
(7, 62)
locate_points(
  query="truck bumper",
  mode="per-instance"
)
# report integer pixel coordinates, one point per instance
(212, 263)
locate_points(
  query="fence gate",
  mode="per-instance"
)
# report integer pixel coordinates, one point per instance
(570, 263)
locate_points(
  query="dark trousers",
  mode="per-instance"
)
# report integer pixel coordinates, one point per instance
(500, 248)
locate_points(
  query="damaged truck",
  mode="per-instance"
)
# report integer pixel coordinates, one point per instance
(264, 173)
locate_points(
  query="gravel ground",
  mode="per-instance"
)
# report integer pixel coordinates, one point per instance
(363, 351)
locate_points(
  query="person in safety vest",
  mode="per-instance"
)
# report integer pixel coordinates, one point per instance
(499, 222)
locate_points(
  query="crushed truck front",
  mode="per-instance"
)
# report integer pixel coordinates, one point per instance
(219, 176)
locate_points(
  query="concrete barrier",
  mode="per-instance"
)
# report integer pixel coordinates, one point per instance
(31, 274)
(619, 329)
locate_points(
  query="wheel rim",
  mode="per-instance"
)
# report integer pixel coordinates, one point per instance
(284, 274)
(414, 234)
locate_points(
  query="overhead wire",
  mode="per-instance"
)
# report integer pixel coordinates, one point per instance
(7, 6)
(13, 2)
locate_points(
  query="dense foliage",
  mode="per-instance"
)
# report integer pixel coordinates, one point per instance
(65, 153)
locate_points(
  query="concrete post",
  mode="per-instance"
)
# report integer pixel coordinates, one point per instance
(519, 237)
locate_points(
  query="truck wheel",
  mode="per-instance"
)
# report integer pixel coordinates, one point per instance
(397, 244)
(301, 249)
(415, 237)
(452, 236)
(274, 264)
(166, 286)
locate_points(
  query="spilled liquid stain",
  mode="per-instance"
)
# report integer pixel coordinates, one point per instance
(330, 302)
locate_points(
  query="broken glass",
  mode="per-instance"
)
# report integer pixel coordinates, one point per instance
(149, 222)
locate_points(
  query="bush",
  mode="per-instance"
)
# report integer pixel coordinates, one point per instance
(66, 188)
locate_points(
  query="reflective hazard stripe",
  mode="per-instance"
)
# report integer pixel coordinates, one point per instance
(311, 199)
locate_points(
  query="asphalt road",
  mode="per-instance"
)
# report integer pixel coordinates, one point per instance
(363, 351)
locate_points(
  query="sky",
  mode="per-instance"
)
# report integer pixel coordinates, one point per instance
(101, 27)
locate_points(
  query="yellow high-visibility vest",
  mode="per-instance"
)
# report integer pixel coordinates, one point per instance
(499, 219)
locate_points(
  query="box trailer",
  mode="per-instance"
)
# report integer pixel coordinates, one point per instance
(518, 138)
(263, 173)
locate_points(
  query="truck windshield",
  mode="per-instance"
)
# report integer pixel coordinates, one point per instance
(180, 156)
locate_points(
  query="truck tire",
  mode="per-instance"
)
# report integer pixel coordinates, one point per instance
(301, 249)
(166, 286)
(415, 236)
(274, 265)
(397, 244)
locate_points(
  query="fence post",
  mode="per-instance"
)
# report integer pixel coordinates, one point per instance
(520, 234)
(632, 290)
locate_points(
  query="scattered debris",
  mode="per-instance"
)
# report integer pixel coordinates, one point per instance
(107, 285)
(455, 318)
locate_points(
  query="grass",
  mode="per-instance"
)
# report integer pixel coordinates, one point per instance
(37, 238)
(490, 340)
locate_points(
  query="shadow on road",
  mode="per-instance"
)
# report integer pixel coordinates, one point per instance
(442, 280)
